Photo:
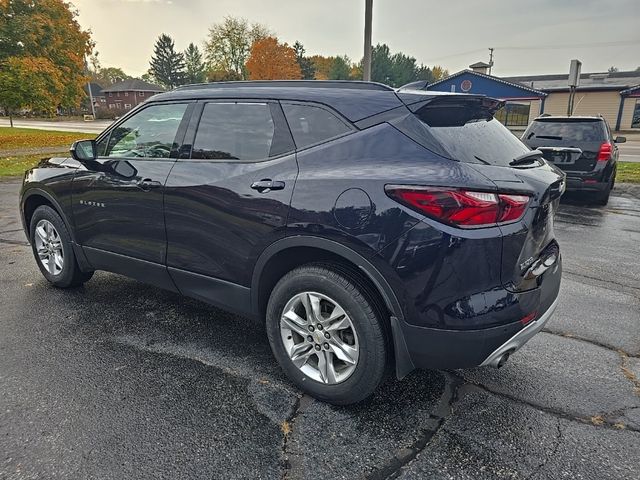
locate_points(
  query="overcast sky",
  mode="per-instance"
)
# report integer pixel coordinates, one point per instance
(529, 36)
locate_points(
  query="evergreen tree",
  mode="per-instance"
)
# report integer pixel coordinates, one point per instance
(341, 69)
(167, 65)
(306, 64)
(194, 65)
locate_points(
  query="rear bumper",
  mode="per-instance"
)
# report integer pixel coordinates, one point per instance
(579, 184)
(437, 348)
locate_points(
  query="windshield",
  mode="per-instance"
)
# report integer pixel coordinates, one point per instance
(587, 131)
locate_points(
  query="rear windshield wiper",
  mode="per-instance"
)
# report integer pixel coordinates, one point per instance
(549, 137)
(526, 158)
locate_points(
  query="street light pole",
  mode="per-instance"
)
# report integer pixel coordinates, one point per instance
(366, 63)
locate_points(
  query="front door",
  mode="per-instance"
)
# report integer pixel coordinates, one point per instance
(118, 206)
(227, 202)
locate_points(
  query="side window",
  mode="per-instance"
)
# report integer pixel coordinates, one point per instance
(234, 131)
(149, 133)
(311, 125)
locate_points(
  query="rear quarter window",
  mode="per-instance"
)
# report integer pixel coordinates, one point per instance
(310, 124)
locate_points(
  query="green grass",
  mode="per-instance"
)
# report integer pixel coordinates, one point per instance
(15, 138)
(628, 172)
(16, 166)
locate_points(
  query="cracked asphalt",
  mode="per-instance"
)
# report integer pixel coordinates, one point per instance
(121, 380)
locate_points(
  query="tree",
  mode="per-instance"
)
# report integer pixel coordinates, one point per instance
(42, 38)
(229, 44)
(30, 82)
(194, 67)
(341, 68)
(439, 72)
(612, 69)
(167, 65)
(271, 60)
(222, 76)
(105, 77)
(306, 64)
(322, 66)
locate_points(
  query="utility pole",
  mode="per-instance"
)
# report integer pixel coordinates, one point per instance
(490, 59)
(93, 108)
(366, 62)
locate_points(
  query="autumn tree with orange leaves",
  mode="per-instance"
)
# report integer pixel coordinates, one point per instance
(42, 49)
(271, 60)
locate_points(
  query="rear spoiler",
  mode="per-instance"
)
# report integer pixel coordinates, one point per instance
(451, 110)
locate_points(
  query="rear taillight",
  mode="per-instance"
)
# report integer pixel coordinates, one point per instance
(462, 208)
(604, 154)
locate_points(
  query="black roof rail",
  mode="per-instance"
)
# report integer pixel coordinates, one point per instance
(345, 84)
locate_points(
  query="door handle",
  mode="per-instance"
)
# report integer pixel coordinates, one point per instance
(266, 185)
(147, 184)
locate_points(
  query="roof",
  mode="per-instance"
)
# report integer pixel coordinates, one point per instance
(490, 77)
(133, 84)
(479, 65)
(354, 103)
(588, 81)
(96, 90)
(629, 91)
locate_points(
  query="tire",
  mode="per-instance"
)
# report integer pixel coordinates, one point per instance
(602, 197)
(362, 331)
(58, 263)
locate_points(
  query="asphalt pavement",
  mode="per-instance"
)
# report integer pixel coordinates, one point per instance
(117, 380)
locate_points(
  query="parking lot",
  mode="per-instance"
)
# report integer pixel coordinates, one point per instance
(120, 380)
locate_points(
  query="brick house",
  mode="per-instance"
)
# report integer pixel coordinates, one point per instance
(126, 95)
(99, 100)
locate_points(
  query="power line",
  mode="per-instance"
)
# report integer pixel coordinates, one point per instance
(617, 43)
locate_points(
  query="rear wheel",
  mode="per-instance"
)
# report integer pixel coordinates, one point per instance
(51, 245)
(326, 334)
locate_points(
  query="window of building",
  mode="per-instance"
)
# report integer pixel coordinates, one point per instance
(118, 94)
(141, 94)
(310, 125)
(111, 106)
(126, 94)
(127, 106)
(234, 131)
(635, 120)
(514, 114)
(148, 133)
(111, 94)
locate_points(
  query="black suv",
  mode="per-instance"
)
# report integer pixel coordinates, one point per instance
(583, 147)
(366, 226)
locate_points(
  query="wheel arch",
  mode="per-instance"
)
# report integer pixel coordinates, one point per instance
(299, 250)
(36, 197)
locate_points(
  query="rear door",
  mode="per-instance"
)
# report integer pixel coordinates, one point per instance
(229, 197)
(553, 137)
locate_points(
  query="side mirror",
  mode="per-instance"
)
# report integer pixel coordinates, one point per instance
(620, 140)
(84, 150)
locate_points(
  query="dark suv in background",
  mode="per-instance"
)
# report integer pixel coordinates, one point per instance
(366, 226)
(583, 147)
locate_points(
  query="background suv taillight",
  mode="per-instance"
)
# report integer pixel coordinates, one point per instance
(462, 208)
(604, 154)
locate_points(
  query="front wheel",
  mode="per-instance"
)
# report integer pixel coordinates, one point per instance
(51, 245)
(327, 334)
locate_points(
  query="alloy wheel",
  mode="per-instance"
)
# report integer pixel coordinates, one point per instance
(319, 337)
(49, 247)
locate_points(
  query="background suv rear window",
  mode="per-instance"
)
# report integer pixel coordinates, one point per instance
(587, 131)
(311, 124)
(234, 131)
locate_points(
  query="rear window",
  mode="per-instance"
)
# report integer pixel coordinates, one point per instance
(575, 131)
(487, 142)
